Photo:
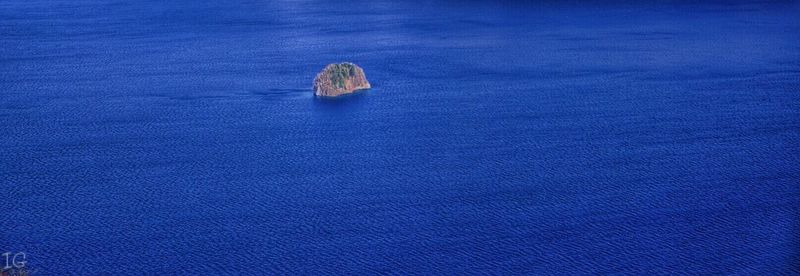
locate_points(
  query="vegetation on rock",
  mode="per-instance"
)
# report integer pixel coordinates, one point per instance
(340, 78)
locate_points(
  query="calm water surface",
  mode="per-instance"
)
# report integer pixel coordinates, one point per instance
(183, 138)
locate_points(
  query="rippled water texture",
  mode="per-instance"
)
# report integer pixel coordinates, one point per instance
(182, 137)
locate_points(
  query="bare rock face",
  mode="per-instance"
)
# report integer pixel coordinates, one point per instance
(339, 79)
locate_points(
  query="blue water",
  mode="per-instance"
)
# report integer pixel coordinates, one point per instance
(182, 137)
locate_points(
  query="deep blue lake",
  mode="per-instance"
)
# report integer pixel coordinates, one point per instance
(500, 137)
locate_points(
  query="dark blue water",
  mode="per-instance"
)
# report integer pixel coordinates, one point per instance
(500, 137)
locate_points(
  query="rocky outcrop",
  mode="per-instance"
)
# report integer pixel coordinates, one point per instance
(339, 79)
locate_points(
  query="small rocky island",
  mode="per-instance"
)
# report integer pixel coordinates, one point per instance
(339, 79)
